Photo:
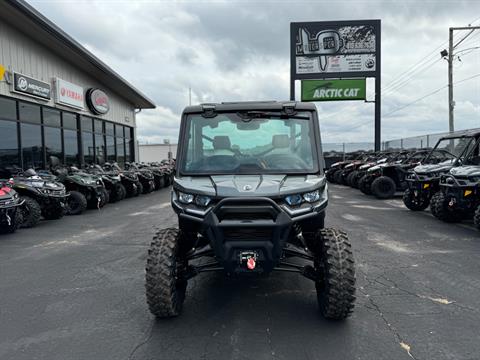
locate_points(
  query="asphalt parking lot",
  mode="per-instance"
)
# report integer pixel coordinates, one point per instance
(74, 289)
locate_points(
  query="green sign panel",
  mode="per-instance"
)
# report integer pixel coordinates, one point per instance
(333, 90)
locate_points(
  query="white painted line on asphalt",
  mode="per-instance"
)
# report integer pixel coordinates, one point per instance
(372, 207)
(351, 217)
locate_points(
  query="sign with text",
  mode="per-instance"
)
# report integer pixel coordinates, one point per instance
(69, 94)
(330, 90)
(32, 87)
(334, 49)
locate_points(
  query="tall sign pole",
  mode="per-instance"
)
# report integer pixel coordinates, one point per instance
(450, 81)
(337, 50)
(378, 97)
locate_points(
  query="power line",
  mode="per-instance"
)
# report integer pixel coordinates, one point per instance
(414, 102)
(356, 126)
(426, 61)
(430, 94)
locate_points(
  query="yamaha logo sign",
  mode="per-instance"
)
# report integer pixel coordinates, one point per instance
(98, 101)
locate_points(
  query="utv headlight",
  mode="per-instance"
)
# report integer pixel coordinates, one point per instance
(293, 200)
(202, 200)
(185, 198)
(312, 196)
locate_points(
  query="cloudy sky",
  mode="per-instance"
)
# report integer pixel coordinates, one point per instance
(239, 50)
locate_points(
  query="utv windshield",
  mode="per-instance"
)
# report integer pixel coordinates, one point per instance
(249, 143)
(449, 150)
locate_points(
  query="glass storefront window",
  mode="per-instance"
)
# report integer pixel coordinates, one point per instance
(9, 144)
(69, 121)
(128, 132)
(98, 126)
(87, 124)
(109, 129)
(120, 151)
(118, 131)
(53, 142)
(88, 148)
(99, 147)
(8, 109)
(128, 152)
(32, 146)
(111, 157)
(51, 117)
(29, 113)
(70, 139)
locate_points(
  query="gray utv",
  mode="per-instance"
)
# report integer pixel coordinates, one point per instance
(250, 196)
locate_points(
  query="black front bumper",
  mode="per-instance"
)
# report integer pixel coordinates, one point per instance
(238, 226)
(462, 195)
(249, 225)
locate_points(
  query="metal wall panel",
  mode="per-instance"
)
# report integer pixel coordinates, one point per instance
(21, 54)
(153, 153)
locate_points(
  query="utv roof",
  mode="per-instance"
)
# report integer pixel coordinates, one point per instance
(250, 105)
(464, 133)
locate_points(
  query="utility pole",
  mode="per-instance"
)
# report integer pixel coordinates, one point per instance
(450, 54)
(190, 95)
(451, 104)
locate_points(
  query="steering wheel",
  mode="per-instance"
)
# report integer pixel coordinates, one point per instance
(285, 161)
(221, 162)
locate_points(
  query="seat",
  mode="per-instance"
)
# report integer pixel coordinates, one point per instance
(222, 145)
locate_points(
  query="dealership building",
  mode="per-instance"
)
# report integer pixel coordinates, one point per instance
(58, 99)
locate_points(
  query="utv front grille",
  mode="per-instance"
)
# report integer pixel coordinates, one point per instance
(249, 234)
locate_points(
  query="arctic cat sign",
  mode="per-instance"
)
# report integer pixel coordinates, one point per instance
(330, 90)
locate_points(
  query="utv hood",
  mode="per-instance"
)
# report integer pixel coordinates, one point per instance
(249, 185)
(465, 171)
(429, 168)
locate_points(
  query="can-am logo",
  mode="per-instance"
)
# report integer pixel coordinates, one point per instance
(98, 101)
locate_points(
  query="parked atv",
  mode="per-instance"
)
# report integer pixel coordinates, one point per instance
(41, 197)
(85, 190)
(113, 183)
(336, 168)
(459, 194)
(129, 179)
(144, 176)
(10, 214)
(423, 181)
(350, 172)
(384, 180)
(251, 208)
(160, 175)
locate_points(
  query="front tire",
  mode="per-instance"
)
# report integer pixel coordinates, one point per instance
(15, 223)
(351, 178)
(415, 203)
(383, 187)
(476, 218)
(439, 209)
(139, 189)
(54, 211)
(76, 203)
(31, 212)
(334, 261)
(165, 288)
(364, 185)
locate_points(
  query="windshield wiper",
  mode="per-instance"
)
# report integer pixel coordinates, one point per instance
(266, 115)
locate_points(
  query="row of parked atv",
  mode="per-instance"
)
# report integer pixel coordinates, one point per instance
(445, 178)
(27, 196)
